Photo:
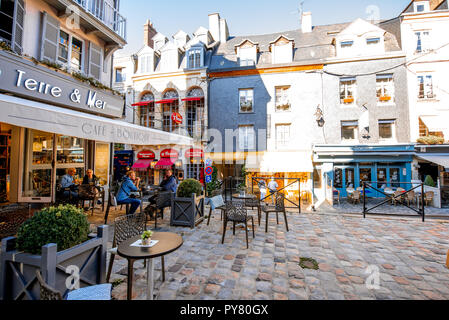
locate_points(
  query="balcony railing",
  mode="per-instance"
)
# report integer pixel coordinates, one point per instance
(106, 13)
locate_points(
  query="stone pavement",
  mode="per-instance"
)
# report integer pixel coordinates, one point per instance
(409, 255)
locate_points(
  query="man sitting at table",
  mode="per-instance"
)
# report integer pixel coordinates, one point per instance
(125, 193)
(169, 183)
(67, 182)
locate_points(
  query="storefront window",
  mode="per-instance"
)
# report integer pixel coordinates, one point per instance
(365, 175)
(338, 180)
(38, 159)
(102, 162)
(395, 178)
(349, 178)
(381, 178)
(70, 150)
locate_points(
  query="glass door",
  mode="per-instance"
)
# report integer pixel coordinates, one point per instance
(344, 178)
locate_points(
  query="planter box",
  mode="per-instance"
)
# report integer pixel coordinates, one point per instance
(187, 212)
(385, 98)
(17, 275)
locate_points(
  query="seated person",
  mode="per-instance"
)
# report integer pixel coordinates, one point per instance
(67, 182)
(124, 194)
(90, 178)
(169, 183)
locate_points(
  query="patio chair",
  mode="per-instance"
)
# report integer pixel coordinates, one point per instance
(428, 197)
(125, 228)
(217, 203)
(100, 292)
(397, 197)
(278, 207)
(236, 213)
(336, 196)
(355, 198)
(255, 203)
(410, 198)
(163, 200)
(87, 192)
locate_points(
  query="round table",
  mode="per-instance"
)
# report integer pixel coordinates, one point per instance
(245, 196)
(168, 242)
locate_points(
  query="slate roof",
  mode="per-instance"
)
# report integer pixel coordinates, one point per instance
(310, 48)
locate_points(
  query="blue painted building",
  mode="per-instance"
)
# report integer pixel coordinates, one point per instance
(348, 166)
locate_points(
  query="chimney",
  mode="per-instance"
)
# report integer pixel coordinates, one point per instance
(148, 33)
(224, 31)
(214, 26)
(306, 22)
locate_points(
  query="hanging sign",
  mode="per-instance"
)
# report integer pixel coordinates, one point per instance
(169, 153)
(146, 155)
(176, 118)
(194, 153)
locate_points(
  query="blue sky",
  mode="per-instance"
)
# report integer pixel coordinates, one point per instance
(246, 17)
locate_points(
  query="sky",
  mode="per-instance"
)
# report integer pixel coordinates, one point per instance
(246, 17)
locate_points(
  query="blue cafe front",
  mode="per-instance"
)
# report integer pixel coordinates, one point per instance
(349, 166)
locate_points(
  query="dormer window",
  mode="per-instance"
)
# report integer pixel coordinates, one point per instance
(346, 44)
(372, 41)
(282, 50)
(247, 53)
(422, 6)
(194, 58)
(145, 63)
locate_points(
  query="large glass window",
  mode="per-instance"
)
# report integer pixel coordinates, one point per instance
(38, 158)
(365, 175)
(338, 178)
(70, 51)
(282, 136)
(246, 97)
(349, 177)
(167, 111)
(64, 40)
(146, 112)
(102, 162)
(194, 58)
(381, 178)
(348, 90)
(395, 177)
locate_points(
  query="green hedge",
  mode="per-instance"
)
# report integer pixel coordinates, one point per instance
(189, 187)
(65, 226)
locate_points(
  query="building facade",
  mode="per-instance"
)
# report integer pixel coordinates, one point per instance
(166, 82)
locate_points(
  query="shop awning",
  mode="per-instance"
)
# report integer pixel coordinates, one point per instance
(142, 165)
(142, 103)
(442, 160)
(193, 99)
(167, 101)
(165, 164)
(48, 118)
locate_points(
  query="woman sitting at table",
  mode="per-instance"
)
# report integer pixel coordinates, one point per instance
(124, 195)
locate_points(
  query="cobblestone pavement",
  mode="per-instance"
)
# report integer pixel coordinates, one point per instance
(410, 256)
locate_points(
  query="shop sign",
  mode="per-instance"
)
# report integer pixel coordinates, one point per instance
(169, 153)
(176, 118)
(23, 78)
(195, 153)
(146, 155)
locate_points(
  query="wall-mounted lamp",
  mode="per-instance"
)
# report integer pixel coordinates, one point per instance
(320, 117)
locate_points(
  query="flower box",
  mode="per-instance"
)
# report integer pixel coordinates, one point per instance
(385, 98)
(348, 100)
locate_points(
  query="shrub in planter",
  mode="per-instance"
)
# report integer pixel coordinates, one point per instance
(65, 226)
(189, 187)
(429, 182)
(431, 140)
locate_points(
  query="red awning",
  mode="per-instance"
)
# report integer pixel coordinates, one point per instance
(193, 99)
(167, 101)
(142, 103)
(142, 165)
(165, 164)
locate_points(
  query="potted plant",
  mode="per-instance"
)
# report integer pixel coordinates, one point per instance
(55, 241)
(146, 237)
(188, 205)
(385, 98)
(349, 99)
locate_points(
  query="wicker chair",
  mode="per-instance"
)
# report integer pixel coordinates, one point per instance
(125, 228)
(278, 207)
(397, 197)
(410, 198)
(336, 196)
(237, 213)
(428, 197)
(356, 195)
(100, 292)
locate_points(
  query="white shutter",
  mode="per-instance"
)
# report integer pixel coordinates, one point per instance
(50, 37)
(18, 26)
(95, 61)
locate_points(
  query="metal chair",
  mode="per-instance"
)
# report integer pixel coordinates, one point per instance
(236, 213)
(100, 292)
(255, 203)
(279, 207)
(163, 200)
(221, 208)
(125, 228)
(87, 192)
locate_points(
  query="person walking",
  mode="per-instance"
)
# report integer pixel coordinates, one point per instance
(273, 187)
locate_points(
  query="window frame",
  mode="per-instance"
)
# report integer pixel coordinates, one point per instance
(392, 122)
(246, 97)
(122, 75)
(286, 96)
(283, 143)
(346, 44)
(423, 41)
(371, 41)
(385, 87)
(346, 89)
(425, 84)
(193, 52)
(68, 64)
(245, 137)
(350, 123)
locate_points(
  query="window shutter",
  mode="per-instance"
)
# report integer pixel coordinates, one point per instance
(95, 61)
(18, 26)
(50, 37)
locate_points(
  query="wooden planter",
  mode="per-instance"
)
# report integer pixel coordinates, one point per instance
(187, 212)
(18, 270)
(348, 100)
(385, 99)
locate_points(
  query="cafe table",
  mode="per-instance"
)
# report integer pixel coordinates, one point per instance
(167, 243)
(244, 196)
